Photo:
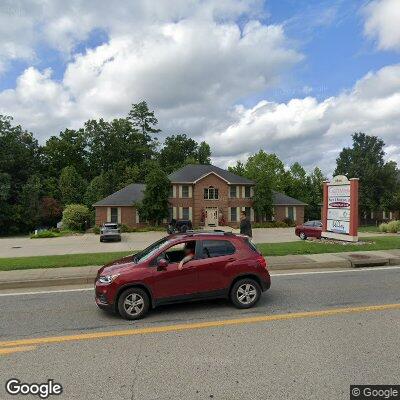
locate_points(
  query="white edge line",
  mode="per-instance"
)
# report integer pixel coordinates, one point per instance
(275, 275)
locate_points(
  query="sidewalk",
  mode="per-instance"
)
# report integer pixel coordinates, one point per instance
(85, 275)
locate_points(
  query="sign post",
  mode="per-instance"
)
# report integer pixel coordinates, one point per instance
(340, 209)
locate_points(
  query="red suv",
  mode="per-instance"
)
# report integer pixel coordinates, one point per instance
(309, 229)
(223, 265)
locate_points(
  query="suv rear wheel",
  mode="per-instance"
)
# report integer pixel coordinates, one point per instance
(133, 303)
(245, 293)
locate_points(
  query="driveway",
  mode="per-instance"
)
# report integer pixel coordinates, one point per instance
(89, 243)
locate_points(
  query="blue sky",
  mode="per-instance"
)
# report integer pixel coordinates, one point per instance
(281, 73)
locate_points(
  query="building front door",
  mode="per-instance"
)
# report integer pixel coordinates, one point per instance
(212, 216)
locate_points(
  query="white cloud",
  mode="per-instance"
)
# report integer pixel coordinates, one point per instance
(191, 72)
(383, 23)
(313, 132)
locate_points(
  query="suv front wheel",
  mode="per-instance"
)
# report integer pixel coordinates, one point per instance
(133, 303)
(245, 293)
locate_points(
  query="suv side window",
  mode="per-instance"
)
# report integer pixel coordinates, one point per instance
(217, 248)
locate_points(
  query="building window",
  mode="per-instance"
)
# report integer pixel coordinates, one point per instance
(185, 191)
(211, 193)
(185, 213)
(232, 192)
(233, 214)
(114, 215)
(247, 192)
(291, 213)
(171, 191)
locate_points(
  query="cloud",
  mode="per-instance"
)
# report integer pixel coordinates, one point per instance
(383, 23)
(311, 131)
(191, 72)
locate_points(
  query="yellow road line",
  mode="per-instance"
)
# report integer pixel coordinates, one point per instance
(198, 325)
(11, 350)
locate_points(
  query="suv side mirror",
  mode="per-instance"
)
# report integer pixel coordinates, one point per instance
(162, 264)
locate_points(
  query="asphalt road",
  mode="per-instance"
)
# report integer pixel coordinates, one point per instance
(291, 346)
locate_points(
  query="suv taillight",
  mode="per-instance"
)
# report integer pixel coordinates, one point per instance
(262, 262)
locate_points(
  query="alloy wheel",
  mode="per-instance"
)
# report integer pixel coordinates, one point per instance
(133, 304)
(246, 293)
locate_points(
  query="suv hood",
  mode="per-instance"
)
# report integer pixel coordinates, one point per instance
(117, 266)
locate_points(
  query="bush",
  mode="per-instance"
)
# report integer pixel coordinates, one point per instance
(149, 228)
(393, 226)
(383, 227)
(270, 224)
(45, 234)
(96, 230)
(76, 217)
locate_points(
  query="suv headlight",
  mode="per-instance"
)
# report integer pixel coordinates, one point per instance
(107, 278)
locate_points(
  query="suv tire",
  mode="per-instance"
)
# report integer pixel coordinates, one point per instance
(133, 303)
(245, 293)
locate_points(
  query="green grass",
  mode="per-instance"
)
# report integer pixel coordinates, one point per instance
(45, 234)
(311, 247)
(369, 228)
(267, 249)
(65, 260)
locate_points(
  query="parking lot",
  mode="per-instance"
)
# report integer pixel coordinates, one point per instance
(90, 243)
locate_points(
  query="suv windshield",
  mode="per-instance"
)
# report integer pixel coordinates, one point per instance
(151, 250)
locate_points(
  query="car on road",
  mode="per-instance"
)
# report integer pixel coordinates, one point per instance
(224, 265)
(110, 231)
(309, 229)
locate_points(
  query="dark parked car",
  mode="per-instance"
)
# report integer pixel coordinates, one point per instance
(179, 226)
(309, 229)
(224, 265)
(110, 231)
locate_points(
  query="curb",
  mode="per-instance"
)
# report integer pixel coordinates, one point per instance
(275, 266)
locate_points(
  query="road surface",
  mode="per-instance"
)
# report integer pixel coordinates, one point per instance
(310, 337)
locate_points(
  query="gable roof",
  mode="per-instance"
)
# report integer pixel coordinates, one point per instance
(124, 197)
(281, 199)
(193, 172)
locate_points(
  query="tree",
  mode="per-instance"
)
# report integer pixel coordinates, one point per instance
(142, 118)
(314, 194)
(177, 149)
(29, 204)
(72, 186)
(204, 153)
(96, 190)
(263, 202)
(296, 182)
(50, 211)
(154, 206)
(76, 217)
(365, 160)
(238, 169)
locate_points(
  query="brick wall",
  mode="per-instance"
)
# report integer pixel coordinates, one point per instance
(128, 215)
(281, 213)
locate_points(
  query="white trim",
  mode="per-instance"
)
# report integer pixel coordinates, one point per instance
(372, 215)
(243, 192)
(391, 215)
(294, 213)
(180, 191)
(180, 212)
(173, 191)
(339, 236)
(383, 214)
(119, 215)
(137, 217)
(286, 212)
(252, 191)
(229, 214)
(108, 214)
(190, 191)
(190, 213)
(209, 173)
(174, 212)
(251, 214)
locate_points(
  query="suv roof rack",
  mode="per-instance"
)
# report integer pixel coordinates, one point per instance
(191, 232)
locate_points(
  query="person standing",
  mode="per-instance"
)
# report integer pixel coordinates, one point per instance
(245, 225)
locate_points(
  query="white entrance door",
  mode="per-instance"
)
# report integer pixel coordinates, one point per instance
(212, 216)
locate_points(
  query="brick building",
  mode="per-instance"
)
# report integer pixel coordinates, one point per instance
(205, 194)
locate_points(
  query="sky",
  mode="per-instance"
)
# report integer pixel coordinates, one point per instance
(293, 77)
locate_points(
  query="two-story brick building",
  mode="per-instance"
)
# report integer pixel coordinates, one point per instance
(205, 194)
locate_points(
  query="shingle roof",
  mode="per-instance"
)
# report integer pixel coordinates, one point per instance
(124, 197)
(193, 172)
(281, 199)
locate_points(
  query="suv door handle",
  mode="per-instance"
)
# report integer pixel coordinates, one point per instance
(231, 259)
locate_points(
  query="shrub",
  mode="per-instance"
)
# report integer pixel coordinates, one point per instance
(393, 226)
(75, 217)
(383, 227)
(96, 230)
(45, 234)
(270, 224)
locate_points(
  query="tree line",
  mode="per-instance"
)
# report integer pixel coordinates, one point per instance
(82, 166)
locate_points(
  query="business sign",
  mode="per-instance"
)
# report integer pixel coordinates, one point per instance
(340, 210)
(339, 214)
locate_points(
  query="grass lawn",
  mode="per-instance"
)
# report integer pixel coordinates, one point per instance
(267, 249)
(369, 228)
(310, 247)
